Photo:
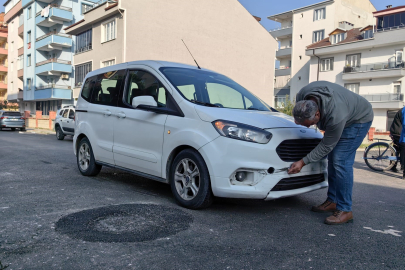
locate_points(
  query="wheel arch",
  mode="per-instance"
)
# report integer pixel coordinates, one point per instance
(79, 138)
(173, 155)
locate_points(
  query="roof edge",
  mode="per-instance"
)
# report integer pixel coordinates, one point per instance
(302, 8)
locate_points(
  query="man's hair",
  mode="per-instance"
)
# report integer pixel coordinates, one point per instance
(305, 109)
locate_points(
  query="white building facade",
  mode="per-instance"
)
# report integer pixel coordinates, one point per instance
(368, 61)
(304, 26)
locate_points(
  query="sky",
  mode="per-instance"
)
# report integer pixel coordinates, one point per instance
(265, 8)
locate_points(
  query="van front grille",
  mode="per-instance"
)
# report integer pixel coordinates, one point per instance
(294, 150)
(298, 182)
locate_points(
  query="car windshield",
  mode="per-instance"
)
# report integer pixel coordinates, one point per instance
(11, 114)
(212, 89)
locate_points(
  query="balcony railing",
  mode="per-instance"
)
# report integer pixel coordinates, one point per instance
(53, 33)
(280, 28)
(390, 28)
(374, 67)
(53, 60)
(101, 3)
(386, 97)
(52, 85)
(55, 6)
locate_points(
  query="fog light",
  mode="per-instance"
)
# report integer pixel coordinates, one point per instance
(240, 176)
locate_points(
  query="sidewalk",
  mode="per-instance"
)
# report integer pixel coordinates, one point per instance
(39, 131)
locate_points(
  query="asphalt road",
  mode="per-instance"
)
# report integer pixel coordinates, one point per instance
(51, 217)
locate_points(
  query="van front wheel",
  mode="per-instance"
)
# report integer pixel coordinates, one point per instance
(190, 180)
(85, 159)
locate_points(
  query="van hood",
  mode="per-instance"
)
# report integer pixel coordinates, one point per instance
(260, 119)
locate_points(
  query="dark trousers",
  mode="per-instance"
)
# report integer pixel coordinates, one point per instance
(400, 148)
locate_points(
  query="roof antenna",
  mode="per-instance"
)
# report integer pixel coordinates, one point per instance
(191, 55)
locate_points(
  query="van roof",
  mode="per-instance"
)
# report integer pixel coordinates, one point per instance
(151, 63)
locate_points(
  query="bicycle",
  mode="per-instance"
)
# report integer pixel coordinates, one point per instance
(381, 156)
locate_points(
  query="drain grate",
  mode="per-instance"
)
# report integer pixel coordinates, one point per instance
(124, 223)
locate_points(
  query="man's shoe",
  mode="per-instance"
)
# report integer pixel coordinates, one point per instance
(339, 217)
(327, 206)
(394, 169)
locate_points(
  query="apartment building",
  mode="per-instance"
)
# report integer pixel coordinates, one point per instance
(307, 25)
(367, 60)
(222, 35)
(41, 54)
(3, 58)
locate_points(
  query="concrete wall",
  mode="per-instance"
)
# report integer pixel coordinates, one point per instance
(13, 83)
(222, 35)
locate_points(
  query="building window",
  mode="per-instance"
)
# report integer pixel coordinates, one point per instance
(353, 60)
(109, 63)
(397, 87)
(337, 38)
(21, 62)
(109, 31)
(29, 60)
(319, 14)
(84, 41)
(29, 84)
(354, 87)
(28, 37)
(327, 64)
(279, 101)
(368, 34)
(318, 36)
(398, 58)
(391, 21)
(29, 13)
(81, 72)
(12, 46)
(86, 7)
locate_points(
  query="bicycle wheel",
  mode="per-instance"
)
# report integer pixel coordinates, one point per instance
(380, 156)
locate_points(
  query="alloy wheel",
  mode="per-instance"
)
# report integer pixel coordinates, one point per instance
(84, 156)
(187, 179)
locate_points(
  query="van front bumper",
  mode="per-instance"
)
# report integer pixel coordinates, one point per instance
(224, 157)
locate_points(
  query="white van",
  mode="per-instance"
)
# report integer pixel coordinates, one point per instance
(194, 129)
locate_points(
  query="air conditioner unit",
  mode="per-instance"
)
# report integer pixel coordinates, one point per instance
(64, 76)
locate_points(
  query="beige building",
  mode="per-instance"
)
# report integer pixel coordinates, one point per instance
(221, 35)
(307, 25)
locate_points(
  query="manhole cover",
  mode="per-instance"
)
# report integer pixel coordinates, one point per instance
(124, 223)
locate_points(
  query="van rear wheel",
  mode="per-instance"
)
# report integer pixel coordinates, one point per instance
(85, 159)
(190, 180)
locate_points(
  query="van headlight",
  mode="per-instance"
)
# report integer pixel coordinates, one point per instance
(242, 132)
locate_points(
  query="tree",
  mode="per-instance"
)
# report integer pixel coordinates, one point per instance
(288, 106)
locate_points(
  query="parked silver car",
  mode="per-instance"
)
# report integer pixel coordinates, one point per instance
(65, 122)
(12, 120)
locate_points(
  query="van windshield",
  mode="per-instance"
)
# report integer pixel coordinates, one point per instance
(212, 89)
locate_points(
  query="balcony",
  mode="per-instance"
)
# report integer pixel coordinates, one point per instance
(282, 32)
(376, 70)
(53, 66)
(3, 68)
(21, 30)
(57, 15)
(3, 85)
(20, 73)
(385, 100)
(20, 51)
(284, 53)
(283, 72)
(53, 41)
(52, 91)
(3, 50)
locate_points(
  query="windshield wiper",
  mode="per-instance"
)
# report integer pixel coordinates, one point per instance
(204, 103)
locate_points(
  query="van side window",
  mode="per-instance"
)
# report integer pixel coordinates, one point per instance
(142, 83)
(107, 88)
(87, 87)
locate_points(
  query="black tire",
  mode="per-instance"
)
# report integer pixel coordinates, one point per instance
(203, 197)
(92, 169)
(59, 133)
(376, 156)
(12, 129)
(23, 129)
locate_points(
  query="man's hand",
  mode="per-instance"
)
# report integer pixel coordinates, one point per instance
(296, 167)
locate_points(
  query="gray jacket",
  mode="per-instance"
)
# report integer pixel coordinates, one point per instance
(339, 109)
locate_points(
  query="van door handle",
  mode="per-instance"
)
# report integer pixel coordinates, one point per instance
(107, 113)
(121, 115)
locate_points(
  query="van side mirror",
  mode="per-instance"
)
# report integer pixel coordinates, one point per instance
(144, 100)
